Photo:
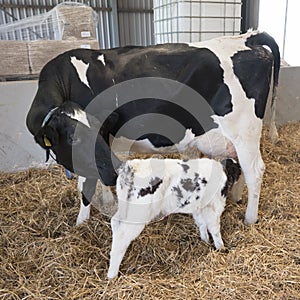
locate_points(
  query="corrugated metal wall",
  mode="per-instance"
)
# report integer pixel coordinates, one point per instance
(120, 22)
(13, 10)
(135, 22)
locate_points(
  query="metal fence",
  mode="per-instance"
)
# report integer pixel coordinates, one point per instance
(195, 20)
(120, 22)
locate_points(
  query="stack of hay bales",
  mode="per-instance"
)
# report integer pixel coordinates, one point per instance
(26, 58)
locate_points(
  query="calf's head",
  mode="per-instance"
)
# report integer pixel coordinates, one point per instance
(74, 138)
(233, 173)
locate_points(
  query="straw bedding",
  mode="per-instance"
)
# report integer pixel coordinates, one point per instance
(43, 255)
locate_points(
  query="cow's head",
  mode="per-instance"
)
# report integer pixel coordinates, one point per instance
(74, 138)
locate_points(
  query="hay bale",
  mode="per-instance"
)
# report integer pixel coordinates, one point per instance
(14, 59)
(43, 255)
(79, 22)
(38, 56)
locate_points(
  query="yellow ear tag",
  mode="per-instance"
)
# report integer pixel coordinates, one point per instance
(46, 141)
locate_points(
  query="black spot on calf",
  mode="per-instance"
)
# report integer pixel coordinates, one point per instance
(204, 181)
(185, 167)
(188, 184)
(178, 192)
(154, 184)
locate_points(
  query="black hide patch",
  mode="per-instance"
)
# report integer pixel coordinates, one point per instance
(188, 184)
(178, 192)
(154, 184)
(233, 172)
(88, 190)
(85, 201)
(221, 101)
(253, 69)
(185, 167)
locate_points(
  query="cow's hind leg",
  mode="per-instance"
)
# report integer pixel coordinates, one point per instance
(253, 167)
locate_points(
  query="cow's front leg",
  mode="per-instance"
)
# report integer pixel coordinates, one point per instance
(87, 188)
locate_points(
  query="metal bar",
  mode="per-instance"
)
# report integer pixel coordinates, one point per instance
(206, 31)
(135, 10)
(48, 7)
(114, 23)
(285, 24)
(197, 1)
(198, 17)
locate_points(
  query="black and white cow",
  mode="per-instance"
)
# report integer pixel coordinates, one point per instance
(148, 188)
(232, 74)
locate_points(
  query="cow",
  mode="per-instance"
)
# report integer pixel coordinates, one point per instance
(148, 188)
(230, 78)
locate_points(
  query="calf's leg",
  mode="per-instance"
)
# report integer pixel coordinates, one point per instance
(122, 235)
(202, 227)
(208, 220)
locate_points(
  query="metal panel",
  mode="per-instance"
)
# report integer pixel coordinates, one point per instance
(14, 10)
(195, 20)
(135, 22)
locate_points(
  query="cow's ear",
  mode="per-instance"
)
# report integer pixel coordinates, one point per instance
(47, 137)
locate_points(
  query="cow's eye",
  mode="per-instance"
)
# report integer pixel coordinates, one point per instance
(74, 140)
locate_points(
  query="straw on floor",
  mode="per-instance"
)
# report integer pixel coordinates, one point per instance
(43, 255)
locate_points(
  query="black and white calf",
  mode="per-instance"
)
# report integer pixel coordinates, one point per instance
(231, 74)
(151, 187)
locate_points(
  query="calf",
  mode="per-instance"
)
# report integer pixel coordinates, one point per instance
(150, 187)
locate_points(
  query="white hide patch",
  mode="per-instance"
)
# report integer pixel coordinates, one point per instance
(101, 58)
(81, 181)
(242, 107)
(121, 144)
(80, 116)
(81, 69)
(84, 212)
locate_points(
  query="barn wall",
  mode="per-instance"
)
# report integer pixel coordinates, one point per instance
(135, 20)
(193, 21)
(44, 16)
(18, 149)
(120, 22)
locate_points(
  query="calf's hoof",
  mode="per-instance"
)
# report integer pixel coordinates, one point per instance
(248, 222)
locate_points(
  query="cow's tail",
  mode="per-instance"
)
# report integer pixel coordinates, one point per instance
(264, 39)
